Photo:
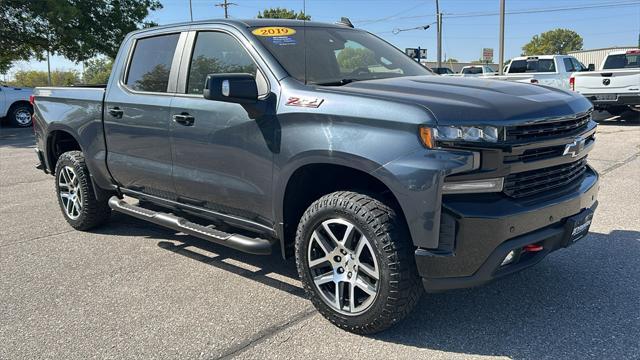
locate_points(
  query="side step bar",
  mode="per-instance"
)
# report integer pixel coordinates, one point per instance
(239, 242)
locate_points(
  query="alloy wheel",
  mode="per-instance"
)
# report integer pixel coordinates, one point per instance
(343, 266)
(70, 192)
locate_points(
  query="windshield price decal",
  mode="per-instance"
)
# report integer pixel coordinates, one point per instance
(273, 31)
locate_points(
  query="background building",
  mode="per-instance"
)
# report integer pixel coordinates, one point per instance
(595, 56)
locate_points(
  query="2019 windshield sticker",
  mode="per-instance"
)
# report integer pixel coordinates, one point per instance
(271, 31)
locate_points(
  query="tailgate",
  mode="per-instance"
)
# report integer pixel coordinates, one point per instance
(608, 81)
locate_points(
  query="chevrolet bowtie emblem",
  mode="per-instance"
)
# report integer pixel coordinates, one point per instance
(575, 147)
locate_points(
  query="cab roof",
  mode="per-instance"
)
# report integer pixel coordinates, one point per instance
(249, 23)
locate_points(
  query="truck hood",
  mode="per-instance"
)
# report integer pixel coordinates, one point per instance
(454, 100)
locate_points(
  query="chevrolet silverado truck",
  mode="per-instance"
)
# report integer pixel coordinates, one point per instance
(615, 88)
(324, 143)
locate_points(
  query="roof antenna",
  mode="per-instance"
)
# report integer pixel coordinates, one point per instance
(345, 21)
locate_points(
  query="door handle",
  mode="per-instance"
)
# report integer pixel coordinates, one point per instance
(116, 112)
(184, 119)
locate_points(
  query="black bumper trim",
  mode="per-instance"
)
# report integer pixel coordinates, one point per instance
(551, 238)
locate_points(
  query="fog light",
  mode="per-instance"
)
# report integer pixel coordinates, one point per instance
(473, 186)
(509, 258)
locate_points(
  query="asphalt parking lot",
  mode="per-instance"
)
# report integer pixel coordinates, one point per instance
(134, 290)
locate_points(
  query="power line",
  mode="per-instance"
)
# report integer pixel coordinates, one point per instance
(225, 5)
(517, 12)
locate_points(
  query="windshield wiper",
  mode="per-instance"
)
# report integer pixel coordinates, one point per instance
(336, 83)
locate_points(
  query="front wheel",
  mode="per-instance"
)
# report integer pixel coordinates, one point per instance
(356, 262)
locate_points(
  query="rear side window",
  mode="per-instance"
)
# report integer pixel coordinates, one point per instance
(216, 53)
(151, 63)
(532, 66)
(472, 70)
(568, 65)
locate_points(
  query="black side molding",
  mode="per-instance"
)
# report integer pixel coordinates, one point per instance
(243, 243)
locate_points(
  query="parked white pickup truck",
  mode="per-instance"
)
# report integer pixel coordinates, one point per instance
(551, 70)
(477, 71)
(614, 88)
(15, 106)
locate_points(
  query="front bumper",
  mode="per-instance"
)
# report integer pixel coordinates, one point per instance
(620, 99)
(488, 226)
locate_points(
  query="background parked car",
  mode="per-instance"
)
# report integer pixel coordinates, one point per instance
(616, 87)
(15, 106)
(442, 71)
(551, 70)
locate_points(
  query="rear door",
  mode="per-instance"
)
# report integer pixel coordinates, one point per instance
(222, 159)
(137, 113)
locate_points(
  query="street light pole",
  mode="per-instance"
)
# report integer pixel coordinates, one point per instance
(501, 48)
(439, 28)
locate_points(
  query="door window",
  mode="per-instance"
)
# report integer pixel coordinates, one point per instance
(151, 63)
(216, 53)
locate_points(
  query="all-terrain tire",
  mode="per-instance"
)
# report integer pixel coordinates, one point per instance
(92, 212)
(399, 286)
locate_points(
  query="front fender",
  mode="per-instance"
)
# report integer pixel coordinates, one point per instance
(416, 182)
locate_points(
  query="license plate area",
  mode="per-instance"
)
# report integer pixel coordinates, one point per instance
(577, 227)
(607, 97)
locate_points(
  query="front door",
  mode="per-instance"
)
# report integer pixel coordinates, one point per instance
(222, 159)
(137, 117)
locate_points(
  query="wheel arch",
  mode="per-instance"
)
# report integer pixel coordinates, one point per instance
(58, 142)
(309, 180)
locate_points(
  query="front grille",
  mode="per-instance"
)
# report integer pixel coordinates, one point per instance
(547, 129)
(536, 154)
(540, 180)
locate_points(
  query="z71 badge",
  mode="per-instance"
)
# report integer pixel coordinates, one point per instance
(309, 102)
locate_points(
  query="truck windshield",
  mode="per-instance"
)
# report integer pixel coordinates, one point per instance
(622, 61)
(532, 66)
(335, 56)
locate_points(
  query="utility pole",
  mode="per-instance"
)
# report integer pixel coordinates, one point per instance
(501, 48)
(226, 5)
(439, 28)
(190, 10)
(48, 68)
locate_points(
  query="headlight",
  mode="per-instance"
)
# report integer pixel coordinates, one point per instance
(466, 133)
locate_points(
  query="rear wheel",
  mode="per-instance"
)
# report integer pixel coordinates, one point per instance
(20, 115)
(76, 196)
(356, 262)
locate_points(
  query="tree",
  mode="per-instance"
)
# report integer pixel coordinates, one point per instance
(33, 78)
(77, 30)
(281, 13)
(451, 60)
(97, 71)
(553, 42)
(350, 59)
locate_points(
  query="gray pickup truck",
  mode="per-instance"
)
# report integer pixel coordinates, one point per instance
(326, 143)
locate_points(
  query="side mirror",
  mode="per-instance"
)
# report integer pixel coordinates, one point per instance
(231, 87)
(591, 67)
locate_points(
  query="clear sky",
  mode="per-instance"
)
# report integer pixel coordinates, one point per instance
(468, 25)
